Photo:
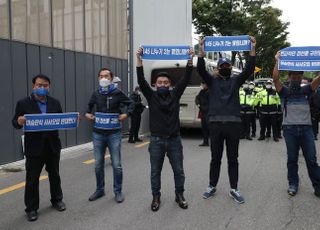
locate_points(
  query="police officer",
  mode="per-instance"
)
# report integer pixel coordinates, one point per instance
(247, 99)
(136, 116)
(268, 107)
(202, 101)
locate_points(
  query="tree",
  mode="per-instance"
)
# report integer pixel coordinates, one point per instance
(238, 17)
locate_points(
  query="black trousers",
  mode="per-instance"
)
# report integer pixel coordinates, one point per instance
(264, 119)
(228, 132)
(205, 128)
(34, 167)
(135, 126)
(248, 124)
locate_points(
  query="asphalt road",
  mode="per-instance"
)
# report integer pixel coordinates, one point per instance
(262, 181)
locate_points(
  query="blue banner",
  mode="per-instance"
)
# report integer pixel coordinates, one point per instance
(107, 121)
(50, 121)
(166, 52)
(227, 43)
(300, 58)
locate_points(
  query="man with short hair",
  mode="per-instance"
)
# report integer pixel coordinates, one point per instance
(41, 148)
(224, 117)
(164, 123)
(297, 126)
(108, 99)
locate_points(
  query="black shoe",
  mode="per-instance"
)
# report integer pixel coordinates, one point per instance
(249, 138)
(138, 140)
(204, 144)
(181, 201)
(268, 136)
(59, 206)
(253, 135)
(119, 198)
(317, 193)
(155, 204)
(261, 138)
(242, 137)
(96, 195)
(276, 139)
(32, 215)
(131, 141)
(280, 137)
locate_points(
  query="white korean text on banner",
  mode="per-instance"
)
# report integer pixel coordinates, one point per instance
(305, 58)
(107, 121)
(227, 43)
(166, 52)
(50, 121)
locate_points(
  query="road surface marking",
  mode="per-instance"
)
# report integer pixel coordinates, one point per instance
(143, 144)
(92, 160)
(17, 186)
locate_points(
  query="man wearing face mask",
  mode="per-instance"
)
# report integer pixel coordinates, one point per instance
(268, 109)
(136, 116)
(224, 117)
(297, 127)
(108, 99)
(164, 105)
(41, 148)
(247, 99)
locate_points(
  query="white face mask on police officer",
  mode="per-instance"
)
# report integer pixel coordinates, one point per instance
(104, 82)
(268, 86)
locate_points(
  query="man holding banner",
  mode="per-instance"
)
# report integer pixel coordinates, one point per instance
(109, 102)
(224, 107)
(41, 147)
(297, 125)
(164, 123)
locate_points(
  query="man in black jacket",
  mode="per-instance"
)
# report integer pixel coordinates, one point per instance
(136, 116)
(165, 128)
(41, 148)
(108, 99)
(202, 101)
(224, 118)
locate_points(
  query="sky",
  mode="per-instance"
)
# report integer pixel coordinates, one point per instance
(304, 28)
(304, 18)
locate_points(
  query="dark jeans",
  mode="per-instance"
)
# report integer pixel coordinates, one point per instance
(205, 128)
(100, 143)
(158, 148)
(228, 132)
(135, 126)
(297, 136)
(34, 167)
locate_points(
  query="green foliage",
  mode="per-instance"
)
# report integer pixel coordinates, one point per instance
(239, 17)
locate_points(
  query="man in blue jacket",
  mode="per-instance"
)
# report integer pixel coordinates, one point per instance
(224, 117)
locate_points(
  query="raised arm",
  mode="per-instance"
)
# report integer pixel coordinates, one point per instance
(276, 79)
(315, 83)
(249, 69)
(183, 83)
(201, 65)
(144, 85)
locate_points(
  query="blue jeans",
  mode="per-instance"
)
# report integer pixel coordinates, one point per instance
(100, 143)
(158, 148)
(297, 136)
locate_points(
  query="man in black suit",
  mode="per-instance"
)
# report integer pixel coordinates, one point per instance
(41, 148)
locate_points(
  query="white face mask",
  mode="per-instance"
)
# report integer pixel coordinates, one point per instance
(104, 82)
(268, 86)
(245, 86)
(251, 86)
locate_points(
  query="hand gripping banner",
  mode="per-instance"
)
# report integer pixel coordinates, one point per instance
(227, 43)
(166, 52)
(50, 121)
(300, 58)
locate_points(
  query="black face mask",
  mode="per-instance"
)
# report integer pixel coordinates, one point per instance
(295, 86)
(225, 73)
